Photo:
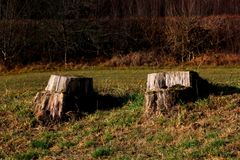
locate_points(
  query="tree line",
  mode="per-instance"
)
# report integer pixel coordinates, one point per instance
(55, 9)
(69, 30)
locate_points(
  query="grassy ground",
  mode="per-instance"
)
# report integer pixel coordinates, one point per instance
(206, 129)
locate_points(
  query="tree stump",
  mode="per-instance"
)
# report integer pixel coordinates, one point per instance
(166, 89)
(64, 94)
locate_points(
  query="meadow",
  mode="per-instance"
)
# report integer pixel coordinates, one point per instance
(206, 129)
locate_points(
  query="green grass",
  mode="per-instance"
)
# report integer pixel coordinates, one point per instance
(190, 143)
(206, 129)
(27, 156)
(101, 152)
(44, 144)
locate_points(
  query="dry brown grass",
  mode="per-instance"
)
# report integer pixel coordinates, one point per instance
(133, 59)
(140, 59)
(154, 59)
(216, 59)
(3, 68)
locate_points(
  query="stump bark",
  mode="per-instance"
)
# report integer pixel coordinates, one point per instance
(64, 94)
(166, 89)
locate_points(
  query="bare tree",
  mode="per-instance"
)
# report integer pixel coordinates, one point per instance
(12, 32)
(183, 32)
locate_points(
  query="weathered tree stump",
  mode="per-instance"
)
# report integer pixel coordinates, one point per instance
(64, 94)
(166, 89)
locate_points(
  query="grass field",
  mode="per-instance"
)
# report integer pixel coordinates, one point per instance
(206, 129)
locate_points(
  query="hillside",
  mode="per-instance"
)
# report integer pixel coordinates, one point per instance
(205, 129)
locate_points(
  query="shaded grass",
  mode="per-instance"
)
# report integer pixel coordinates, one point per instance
(206, 129)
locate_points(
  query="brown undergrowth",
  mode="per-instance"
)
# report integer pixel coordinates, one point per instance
(140, 59)
(133, 59)
(216, 59)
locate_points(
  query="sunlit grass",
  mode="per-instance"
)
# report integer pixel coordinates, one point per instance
(206, 129)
